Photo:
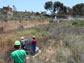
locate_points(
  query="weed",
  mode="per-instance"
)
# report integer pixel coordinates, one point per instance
(51, 20)
(43, 33)
(30, 32)
(18, 33)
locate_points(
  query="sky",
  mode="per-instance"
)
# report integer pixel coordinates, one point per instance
(35, 5)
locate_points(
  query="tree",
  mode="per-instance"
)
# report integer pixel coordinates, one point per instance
(14, 11)
(69, 11)
(58, 6)
(53, 7)
(14, 8)
(78, 9)
(49, 6)
(63, 10)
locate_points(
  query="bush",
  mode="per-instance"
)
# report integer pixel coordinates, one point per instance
(30, 32)
(74, 22)
(13, 18)
(78, 22)
(18, 33)
(43, 33)
(76, 45)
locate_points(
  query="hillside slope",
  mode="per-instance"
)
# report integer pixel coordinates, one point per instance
(60, 42)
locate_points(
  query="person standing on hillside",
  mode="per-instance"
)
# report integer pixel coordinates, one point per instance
(22, 42)
(33, 44)
(18, 56)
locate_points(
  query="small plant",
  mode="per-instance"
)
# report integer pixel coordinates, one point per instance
(74, 22)
(18, 33)
(43, 33)
(13, 18)
(51, 20)
(78, 22)
(30, 32)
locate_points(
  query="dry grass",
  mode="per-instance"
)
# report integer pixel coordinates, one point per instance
(60, 42)
(13, 25)
(7, 39)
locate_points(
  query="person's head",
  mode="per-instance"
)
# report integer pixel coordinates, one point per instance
(17, 44)
(33, 37)
(22, 38)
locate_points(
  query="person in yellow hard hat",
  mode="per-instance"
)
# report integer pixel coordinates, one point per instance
(18, 56)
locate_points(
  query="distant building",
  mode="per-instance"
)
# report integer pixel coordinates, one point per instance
(6, 12)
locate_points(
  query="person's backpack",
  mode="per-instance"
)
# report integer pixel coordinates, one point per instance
(28, 46)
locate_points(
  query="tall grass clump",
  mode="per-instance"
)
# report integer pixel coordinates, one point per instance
(51, 20)
(76, 44)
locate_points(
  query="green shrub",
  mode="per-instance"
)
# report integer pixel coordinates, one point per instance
(13, 18)
(78, 22)
(74, 22)
(18, 33)
(30, 32)
(43, 33)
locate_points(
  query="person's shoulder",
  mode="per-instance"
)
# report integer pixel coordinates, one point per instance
(22, 50)
(13, 52)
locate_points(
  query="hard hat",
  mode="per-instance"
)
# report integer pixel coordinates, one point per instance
(33, 37)
(17, 43)
(22, 37)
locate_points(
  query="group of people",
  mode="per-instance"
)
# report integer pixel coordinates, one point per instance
(33, 44)
(19, 55)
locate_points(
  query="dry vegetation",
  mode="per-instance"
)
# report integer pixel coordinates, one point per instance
(60, 42)
(14, 25)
